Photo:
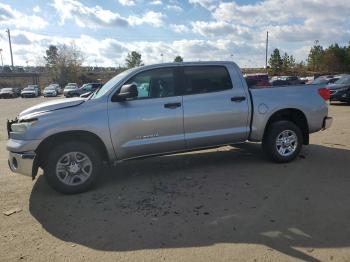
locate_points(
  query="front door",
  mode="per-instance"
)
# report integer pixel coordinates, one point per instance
(151, 123)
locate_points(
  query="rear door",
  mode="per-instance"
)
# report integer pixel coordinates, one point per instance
(152, 123)
(215, 111)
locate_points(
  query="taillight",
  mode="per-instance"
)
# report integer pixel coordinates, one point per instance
(324, 93)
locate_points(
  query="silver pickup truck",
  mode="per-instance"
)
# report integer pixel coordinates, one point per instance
(161, 109)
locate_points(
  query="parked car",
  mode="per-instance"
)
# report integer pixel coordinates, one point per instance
(51, 90)
(325, 80)
(86, 88)
(57, 88)
(257, 80)
(340, 89)
(307, 79)
(277, 81)
(69, 139)
(9, 92)
(286, 80)
(68, 88)
(30, 91)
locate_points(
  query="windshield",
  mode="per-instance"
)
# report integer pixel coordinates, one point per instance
(343, 80)
(86, 86)
(28, 88)
(6, 89)
(111, 83)
(50, 88)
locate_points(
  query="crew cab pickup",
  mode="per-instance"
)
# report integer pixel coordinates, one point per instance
(161, 109)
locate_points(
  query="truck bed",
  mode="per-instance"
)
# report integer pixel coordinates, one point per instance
(267, 101)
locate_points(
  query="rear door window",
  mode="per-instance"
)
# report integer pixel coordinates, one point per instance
(206, 79)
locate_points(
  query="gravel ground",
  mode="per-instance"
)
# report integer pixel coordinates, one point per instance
(226, 204)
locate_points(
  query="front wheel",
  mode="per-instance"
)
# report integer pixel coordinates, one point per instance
(72, 167)
(283, 141)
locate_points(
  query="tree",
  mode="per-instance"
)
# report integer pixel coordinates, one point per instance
(347, 52)
(178, 59)
(315, 57)
(275, 62)
(51, 56)
(64, 63)
(292, 63)
(285, 63)
(335, 58)
(133, 59)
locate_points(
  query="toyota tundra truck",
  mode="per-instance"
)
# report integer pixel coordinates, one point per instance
(161, 109)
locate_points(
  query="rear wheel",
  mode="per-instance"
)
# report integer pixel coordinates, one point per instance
(72, 167)
(283, 141)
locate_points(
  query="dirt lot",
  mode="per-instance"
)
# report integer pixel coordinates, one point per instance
(228, 204)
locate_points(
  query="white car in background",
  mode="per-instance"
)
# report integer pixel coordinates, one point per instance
(52, 90)
(69, 87)
(30, 91)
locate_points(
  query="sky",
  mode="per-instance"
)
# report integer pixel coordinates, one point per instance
(105, 31)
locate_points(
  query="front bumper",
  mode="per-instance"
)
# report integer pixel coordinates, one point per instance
(23, 163)
(69, 94)
(327, 122)
(50, 94)
(28, 95)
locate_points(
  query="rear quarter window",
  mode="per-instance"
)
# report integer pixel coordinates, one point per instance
(206, 79)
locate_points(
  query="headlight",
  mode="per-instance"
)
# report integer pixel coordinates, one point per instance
(23, 126)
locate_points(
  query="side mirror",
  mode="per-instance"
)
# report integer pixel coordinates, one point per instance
(126, 91)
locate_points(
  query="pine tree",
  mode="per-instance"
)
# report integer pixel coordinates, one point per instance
(275, 62)
(315, 57)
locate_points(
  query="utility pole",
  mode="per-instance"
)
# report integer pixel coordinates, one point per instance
(267, 47)
(9, 35)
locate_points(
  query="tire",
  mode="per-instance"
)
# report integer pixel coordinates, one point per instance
(69, 177)
(287, 132)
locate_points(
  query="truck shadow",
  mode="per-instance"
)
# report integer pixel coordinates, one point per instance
(232, 195)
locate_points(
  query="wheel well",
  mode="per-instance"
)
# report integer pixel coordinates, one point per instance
(83, 136)
(294, 115)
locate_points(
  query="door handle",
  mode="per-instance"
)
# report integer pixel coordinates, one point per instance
(172, 105)
(237, 98)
